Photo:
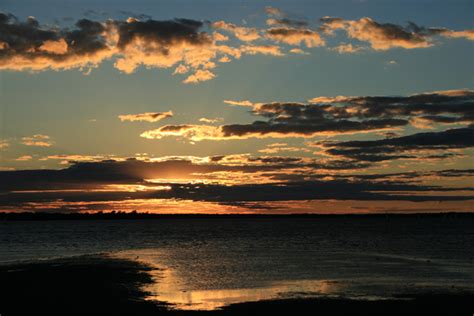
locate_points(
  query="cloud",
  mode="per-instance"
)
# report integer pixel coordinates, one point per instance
(182, 43)
(37, 140)
(67, 159)
(239, 103)
(244, 34)
(146, 117)
(211, 120)
(272, 11)
(331, 116)
(93, 171)
(161, 44)
(270, 50)
(420, 146)
(282, 147)
(298, 51)
(384, 36)
(190, 131)
(4, 144)
(82, 186)
(271, 129)
(185, 45)
(24, 158)
(199, 76)
(28, 46)
(280, 18)
(347, 49)
(181, 69)
(286, 22)
(446, 107)
(295, 36)
(466, 34)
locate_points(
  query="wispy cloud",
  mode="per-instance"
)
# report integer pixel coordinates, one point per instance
(384, 36)
(239, 103)
(295, 36)
(146, 117)
(37, 140)
(24, 158)
(211, 120)
(4, 144)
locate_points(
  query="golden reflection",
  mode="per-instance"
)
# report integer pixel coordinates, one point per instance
(172, 287)
(214, 299)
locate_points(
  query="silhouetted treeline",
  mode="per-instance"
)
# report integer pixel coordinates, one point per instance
(117, 215)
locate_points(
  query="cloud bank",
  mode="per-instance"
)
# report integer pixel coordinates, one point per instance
(331, 116)
(189, 46)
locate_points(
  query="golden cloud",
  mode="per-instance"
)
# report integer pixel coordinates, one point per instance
(146, 117)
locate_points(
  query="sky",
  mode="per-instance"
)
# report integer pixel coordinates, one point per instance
(236, 106)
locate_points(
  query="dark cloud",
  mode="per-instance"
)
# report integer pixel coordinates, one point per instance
(133, 171)
(306, 127)
(336, 115)
(287, 22)
(411, 146)
(102, 183)
(164, 33)
(27, 45)
(130, 43)
(458, 104)
(338, 189)
(87, 38)
(305, 119)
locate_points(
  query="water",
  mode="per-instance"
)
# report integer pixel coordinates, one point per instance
(204, 263)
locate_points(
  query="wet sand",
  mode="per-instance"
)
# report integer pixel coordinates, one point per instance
(102, 284)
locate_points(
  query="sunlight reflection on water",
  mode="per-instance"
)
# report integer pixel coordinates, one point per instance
(171, 288)
(209, 282)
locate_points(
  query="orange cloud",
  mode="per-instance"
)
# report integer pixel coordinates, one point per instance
(347, 49)
(298, 51)
(4, 144)
(278, 148)
(199, 76)
(245, 34)
(24, 158)
(466, 34)
(239, 103)
(262, 49)
(211, 120)
(273, 11)
(129, 44)
(146, 117)
(295, 36)
(58, 47)
(37, 140)
(384, 36)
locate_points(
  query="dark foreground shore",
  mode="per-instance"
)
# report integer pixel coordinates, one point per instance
(99, 284)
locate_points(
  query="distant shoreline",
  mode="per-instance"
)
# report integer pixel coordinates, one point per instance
(31, 216)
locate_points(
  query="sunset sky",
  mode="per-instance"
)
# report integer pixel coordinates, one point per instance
(237, 106)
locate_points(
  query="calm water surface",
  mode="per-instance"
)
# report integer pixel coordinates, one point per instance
(208, 263)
